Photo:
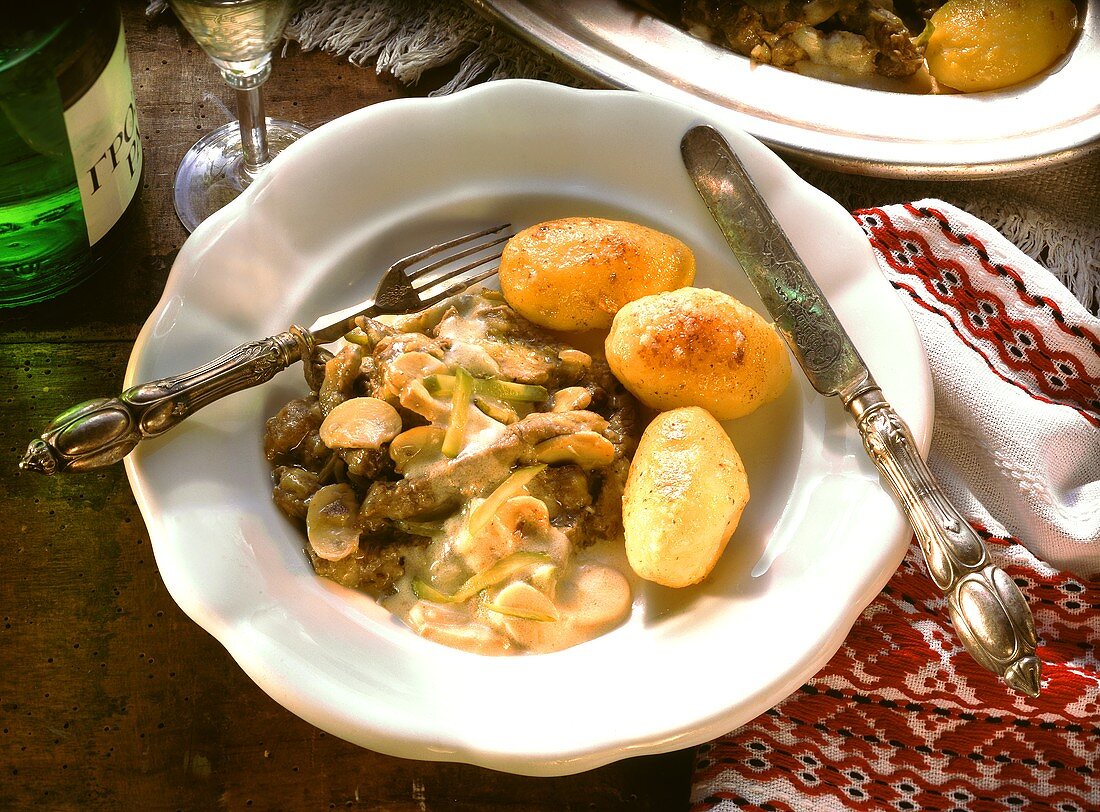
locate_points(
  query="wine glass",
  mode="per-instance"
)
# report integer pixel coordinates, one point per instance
(238, 35)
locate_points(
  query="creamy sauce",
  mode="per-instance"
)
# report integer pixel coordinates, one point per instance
(555, 601)
(513, 583)
(550, 604)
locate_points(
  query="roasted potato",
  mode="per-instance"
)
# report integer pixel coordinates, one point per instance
(989, 44)
(684, 497)
(697, 347)
(575, 274)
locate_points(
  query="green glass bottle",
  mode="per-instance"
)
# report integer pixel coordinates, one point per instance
(70, 150)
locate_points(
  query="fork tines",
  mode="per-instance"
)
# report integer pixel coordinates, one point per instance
(425, 279)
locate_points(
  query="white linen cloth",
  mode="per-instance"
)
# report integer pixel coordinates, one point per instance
(1015, 362)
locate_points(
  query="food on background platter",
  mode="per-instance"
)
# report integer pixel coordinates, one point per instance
(684, 497)
(697, 347)
(575, 273)
(849, 40)
(466, 469)
(989, 44)
(971, 45)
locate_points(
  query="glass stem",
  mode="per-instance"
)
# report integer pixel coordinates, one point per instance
(250, 111)
(250, 115)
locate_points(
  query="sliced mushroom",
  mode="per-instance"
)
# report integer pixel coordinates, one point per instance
(575, 359)
(528, 520)
(545, 578)
(473, 358)
(571, 398)
(491, 542)
(594, 596)
(520, 599)
(524, 513)
(452, 626)
(416, 398)
(526, 615)
(417, 447)
(514, 485)
(360, 423)
(585, 448)
(331, 522)
(477, 639)
(411, 366)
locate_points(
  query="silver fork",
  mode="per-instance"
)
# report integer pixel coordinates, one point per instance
(102, 431)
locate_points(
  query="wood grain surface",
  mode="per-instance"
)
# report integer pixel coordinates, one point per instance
(111, 697)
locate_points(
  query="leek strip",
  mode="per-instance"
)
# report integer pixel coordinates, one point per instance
(460, 412)
(499, 410)
(510, 487)
(443, 385)
(925, 35)
(505, 568)
(427, 592)
(440, 385)
(509, 390)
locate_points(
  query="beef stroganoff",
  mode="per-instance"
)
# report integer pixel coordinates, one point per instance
(467, 469)
(491, 485)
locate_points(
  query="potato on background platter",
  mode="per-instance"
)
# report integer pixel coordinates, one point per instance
(683, 499)
(575, 273)
(978, 45)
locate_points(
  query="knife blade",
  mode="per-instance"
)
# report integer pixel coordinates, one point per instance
(987, 609)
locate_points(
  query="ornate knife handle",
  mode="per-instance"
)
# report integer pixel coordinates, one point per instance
(988, 610)
(101, 432)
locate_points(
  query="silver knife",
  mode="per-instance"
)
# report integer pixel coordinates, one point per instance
(988, 610)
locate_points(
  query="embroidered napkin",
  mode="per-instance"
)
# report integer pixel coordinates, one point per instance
(902, 718)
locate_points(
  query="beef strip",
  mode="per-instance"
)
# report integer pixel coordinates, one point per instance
(341, 374)
(287, 429)
(442, 486)
(897, 55)
(293, 488)
(584, 504)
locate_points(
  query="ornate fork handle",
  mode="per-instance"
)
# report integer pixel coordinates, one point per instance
(100, 432)
(988, 611)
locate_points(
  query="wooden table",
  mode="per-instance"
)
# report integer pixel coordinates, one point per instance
(112, 698)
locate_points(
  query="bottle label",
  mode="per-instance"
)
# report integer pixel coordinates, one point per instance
(106, 145)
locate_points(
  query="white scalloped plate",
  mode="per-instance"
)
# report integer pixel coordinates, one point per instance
(819, 539)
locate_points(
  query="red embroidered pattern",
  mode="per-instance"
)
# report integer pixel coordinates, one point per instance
(977, 309)
(901, 718)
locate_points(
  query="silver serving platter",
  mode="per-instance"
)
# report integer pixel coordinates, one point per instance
(871, 131)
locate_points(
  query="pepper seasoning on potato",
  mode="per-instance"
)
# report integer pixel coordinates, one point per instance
(697, 347)
(576, 273)
(683, 498)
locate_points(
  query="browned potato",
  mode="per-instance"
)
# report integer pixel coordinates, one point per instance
(697, 347)
(575, 274)
(684, 497)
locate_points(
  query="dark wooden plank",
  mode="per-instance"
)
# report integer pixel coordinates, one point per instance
(111, 696)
